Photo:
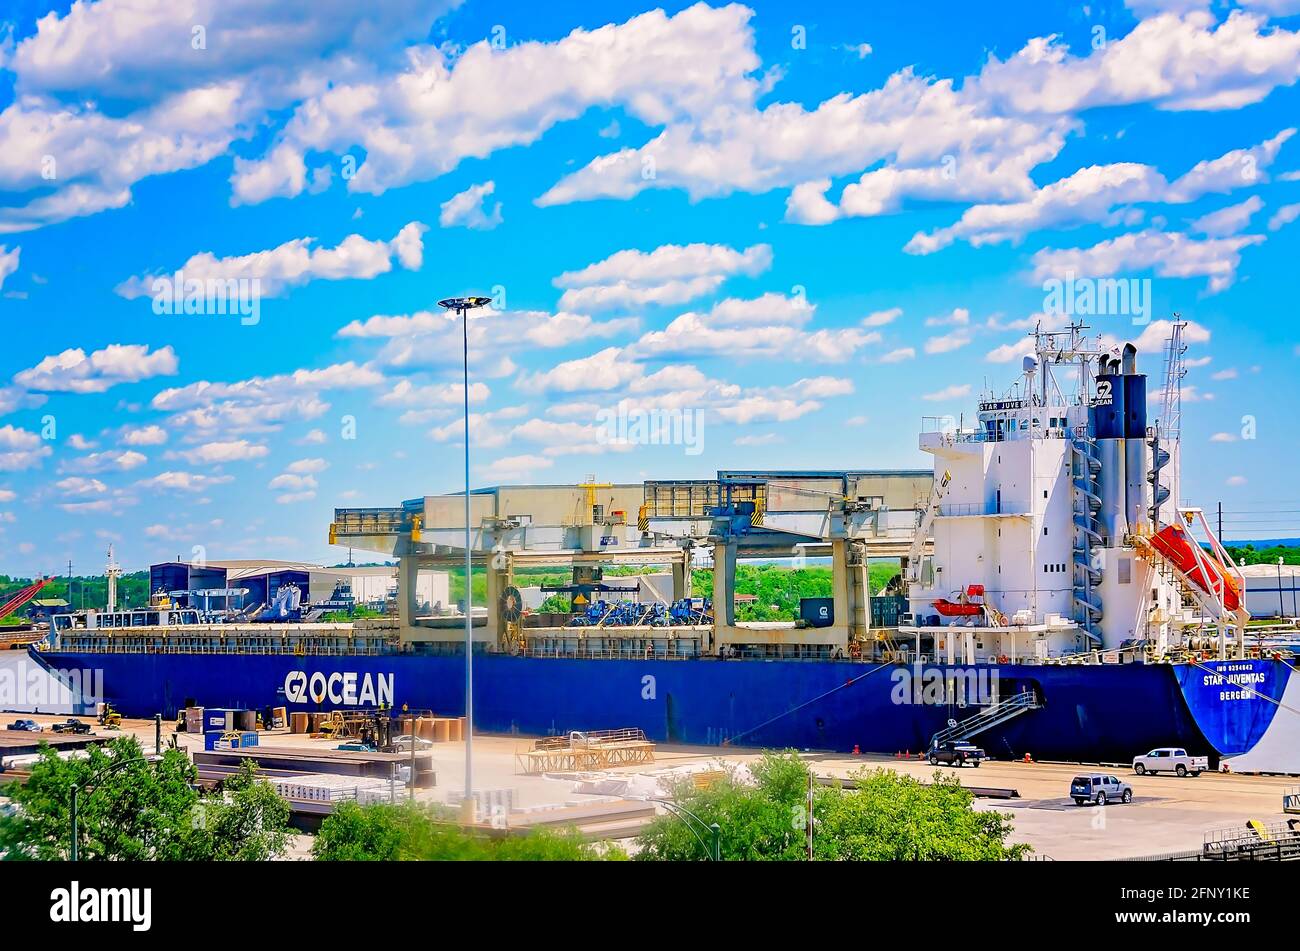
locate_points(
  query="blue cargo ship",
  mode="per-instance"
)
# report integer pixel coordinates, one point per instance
(1082, 712)
(1054, 602)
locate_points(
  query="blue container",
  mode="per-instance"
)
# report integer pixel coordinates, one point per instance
(817, 612)
(248, 739)
(218, 719)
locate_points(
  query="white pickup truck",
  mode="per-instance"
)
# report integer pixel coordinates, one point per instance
(1170, 759)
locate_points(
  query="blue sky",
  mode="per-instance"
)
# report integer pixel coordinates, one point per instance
(813, 228)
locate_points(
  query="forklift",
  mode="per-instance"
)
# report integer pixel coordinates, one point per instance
(109, 718)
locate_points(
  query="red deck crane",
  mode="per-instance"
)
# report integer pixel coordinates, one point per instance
(23, 596)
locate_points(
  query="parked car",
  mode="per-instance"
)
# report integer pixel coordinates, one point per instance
(956, 753)
(27, 726)
(1099, 788)
(403, 743)
(71, 725)
(1170, 759)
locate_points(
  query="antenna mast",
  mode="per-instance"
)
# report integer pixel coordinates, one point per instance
(1171, 410)
(112, 571)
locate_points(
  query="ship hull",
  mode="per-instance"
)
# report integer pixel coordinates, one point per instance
(1088, 713)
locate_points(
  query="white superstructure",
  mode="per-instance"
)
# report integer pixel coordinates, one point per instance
(1044, 515)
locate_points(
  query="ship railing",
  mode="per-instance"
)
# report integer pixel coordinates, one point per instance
(608, 654)
(1005, 507)
(229, 649)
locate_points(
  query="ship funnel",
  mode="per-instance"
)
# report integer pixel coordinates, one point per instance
(1137, 463)
(1107, 419)
(1130, 359)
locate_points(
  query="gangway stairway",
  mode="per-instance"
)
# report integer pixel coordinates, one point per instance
(993, 715)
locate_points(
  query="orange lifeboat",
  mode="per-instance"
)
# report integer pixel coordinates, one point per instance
(1177, 547)
(964, 607)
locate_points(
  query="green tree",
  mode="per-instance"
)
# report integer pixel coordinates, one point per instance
(555, 604)
(130, 808)
(894, 818)
(247, 821)
(408, 832)
(887, 817)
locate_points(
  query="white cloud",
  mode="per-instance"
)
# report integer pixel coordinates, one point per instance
(1011, 351)
(765, 439)
(520, 468)
(1223, 437)
(20, 449)
(305, 466)
(133, 49)
(216, 453)
(1230, 220)
(1187, 62)
(110, 460)
(466, 209)
(670, 274)
(882, 317)
(298, 262)
(78, 485)
(1235, 480)
(1168, 254)
(204, 410)
(174, 106)
(605, 369)
(143, 436)
(953, 392)
(421, 120)
(930, 139)
(693, 333)
(8, 262)
(1105, 194)
(72, 371)
(80, 443)
(427, 340)
(1284, 216)
(898, 355)
(178, 481)
(96, 507)
(407, 394)
(946, 343)
(291, 480)
(97, 157)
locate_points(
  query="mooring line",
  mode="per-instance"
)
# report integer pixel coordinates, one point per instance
(847, 683)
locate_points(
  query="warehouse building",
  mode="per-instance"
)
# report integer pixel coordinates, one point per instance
(261, 579)
(1272, 590)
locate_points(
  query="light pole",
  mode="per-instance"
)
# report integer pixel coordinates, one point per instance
(462, 306)
(1281, 605)
(712, 848)
(76, 793)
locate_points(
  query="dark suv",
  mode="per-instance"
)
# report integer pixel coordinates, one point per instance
(26, 726)
(956, 753)
(71, 726)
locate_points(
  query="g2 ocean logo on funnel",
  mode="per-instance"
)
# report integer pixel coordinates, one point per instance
(348, 688)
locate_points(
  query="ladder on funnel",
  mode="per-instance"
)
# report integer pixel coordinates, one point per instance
(994, 715)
